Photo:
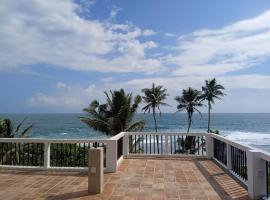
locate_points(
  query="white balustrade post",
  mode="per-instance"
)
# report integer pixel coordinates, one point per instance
(126, 144)
(111, 156)
(209, 143)
(229, 156)
(47, 155)
(256, 174)
(166, 145)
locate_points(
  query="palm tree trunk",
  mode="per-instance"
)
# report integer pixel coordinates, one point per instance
(189, 139)
(189, 122)
(155, 120)
(209, 117)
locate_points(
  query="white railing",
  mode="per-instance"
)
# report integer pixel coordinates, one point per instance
(55, 154)
(166, 144)
(246, 163)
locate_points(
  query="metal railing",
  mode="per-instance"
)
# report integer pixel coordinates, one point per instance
(54, 153)
(239, 162)
(164, 144)
(220, 151)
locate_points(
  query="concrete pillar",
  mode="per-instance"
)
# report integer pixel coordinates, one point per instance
(47, 155)
(209, 142)
(111, 156)
(256, 174)
(167, 152)
(95, 175)
(125, 145)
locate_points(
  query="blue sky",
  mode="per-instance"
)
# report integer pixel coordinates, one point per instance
(59, 55)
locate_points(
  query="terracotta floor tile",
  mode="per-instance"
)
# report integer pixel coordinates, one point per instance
(136, 179)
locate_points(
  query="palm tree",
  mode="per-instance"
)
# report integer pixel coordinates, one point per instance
(7, 130)
(189, 101)
(114, 116)
(154, 98)
(211, 91)
(11, 156)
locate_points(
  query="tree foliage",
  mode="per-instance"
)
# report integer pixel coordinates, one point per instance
(211, 91)
(115, 115)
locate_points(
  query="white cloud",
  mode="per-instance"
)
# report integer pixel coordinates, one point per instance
(114, 11)
(61, 85)
(51, 101)
(169, 35)
(68, 98)
(107, 79)
(217, 52)
(51, 32)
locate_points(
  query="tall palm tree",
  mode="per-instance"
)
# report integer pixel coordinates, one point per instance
(211, 91)
(114, 116)
(189, 101)
(154, 98)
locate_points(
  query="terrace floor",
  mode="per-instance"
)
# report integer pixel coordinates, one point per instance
(138, 179)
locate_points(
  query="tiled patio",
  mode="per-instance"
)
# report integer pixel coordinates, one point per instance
(136, 179)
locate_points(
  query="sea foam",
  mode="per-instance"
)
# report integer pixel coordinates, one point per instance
(249, 138)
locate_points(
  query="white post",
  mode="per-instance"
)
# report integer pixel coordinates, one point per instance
(95, 168)
(229, 156)
(209, 143)
(46, 155)
(166, 145)
(256, 174)
(126, 145)
(111, 156)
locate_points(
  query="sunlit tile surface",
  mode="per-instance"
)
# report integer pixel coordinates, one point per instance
(138, 179)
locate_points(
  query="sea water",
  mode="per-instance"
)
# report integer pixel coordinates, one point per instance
(250, 129)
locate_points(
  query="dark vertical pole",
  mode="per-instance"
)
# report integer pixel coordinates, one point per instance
(154, 145)
(150, 144)
(198, 143)
(135, 143)
(267, 178)
(146, 145)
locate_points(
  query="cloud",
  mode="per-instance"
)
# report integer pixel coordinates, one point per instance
(61, 85)
(234, 47)
(114, 11)
(50, 101)
(67, 98)
(55, 33)
(169, 35)
(107, 79)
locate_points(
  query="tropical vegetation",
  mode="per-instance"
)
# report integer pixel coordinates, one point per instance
(115, 115)
(154, 97)
(189, 101)
(13, 152)
(211, 91)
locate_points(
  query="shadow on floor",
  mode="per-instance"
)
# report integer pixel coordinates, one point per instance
(222, 182)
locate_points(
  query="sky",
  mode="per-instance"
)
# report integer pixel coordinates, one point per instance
(56, 56)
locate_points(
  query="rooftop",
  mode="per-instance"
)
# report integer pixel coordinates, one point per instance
(136, 178)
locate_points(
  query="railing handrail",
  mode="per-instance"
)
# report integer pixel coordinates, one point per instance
(243, 147)
(118, 136)
(165, 133)
(265, 155)
(57, 140)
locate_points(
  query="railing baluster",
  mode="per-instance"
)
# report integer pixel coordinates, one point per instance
(267, 178)
(198, 142)
(150, 144)
(174, 142)
(146, 150)
(135, 143)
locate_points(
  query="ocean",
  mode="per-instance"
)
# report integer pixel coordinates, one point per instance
(250, 129)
